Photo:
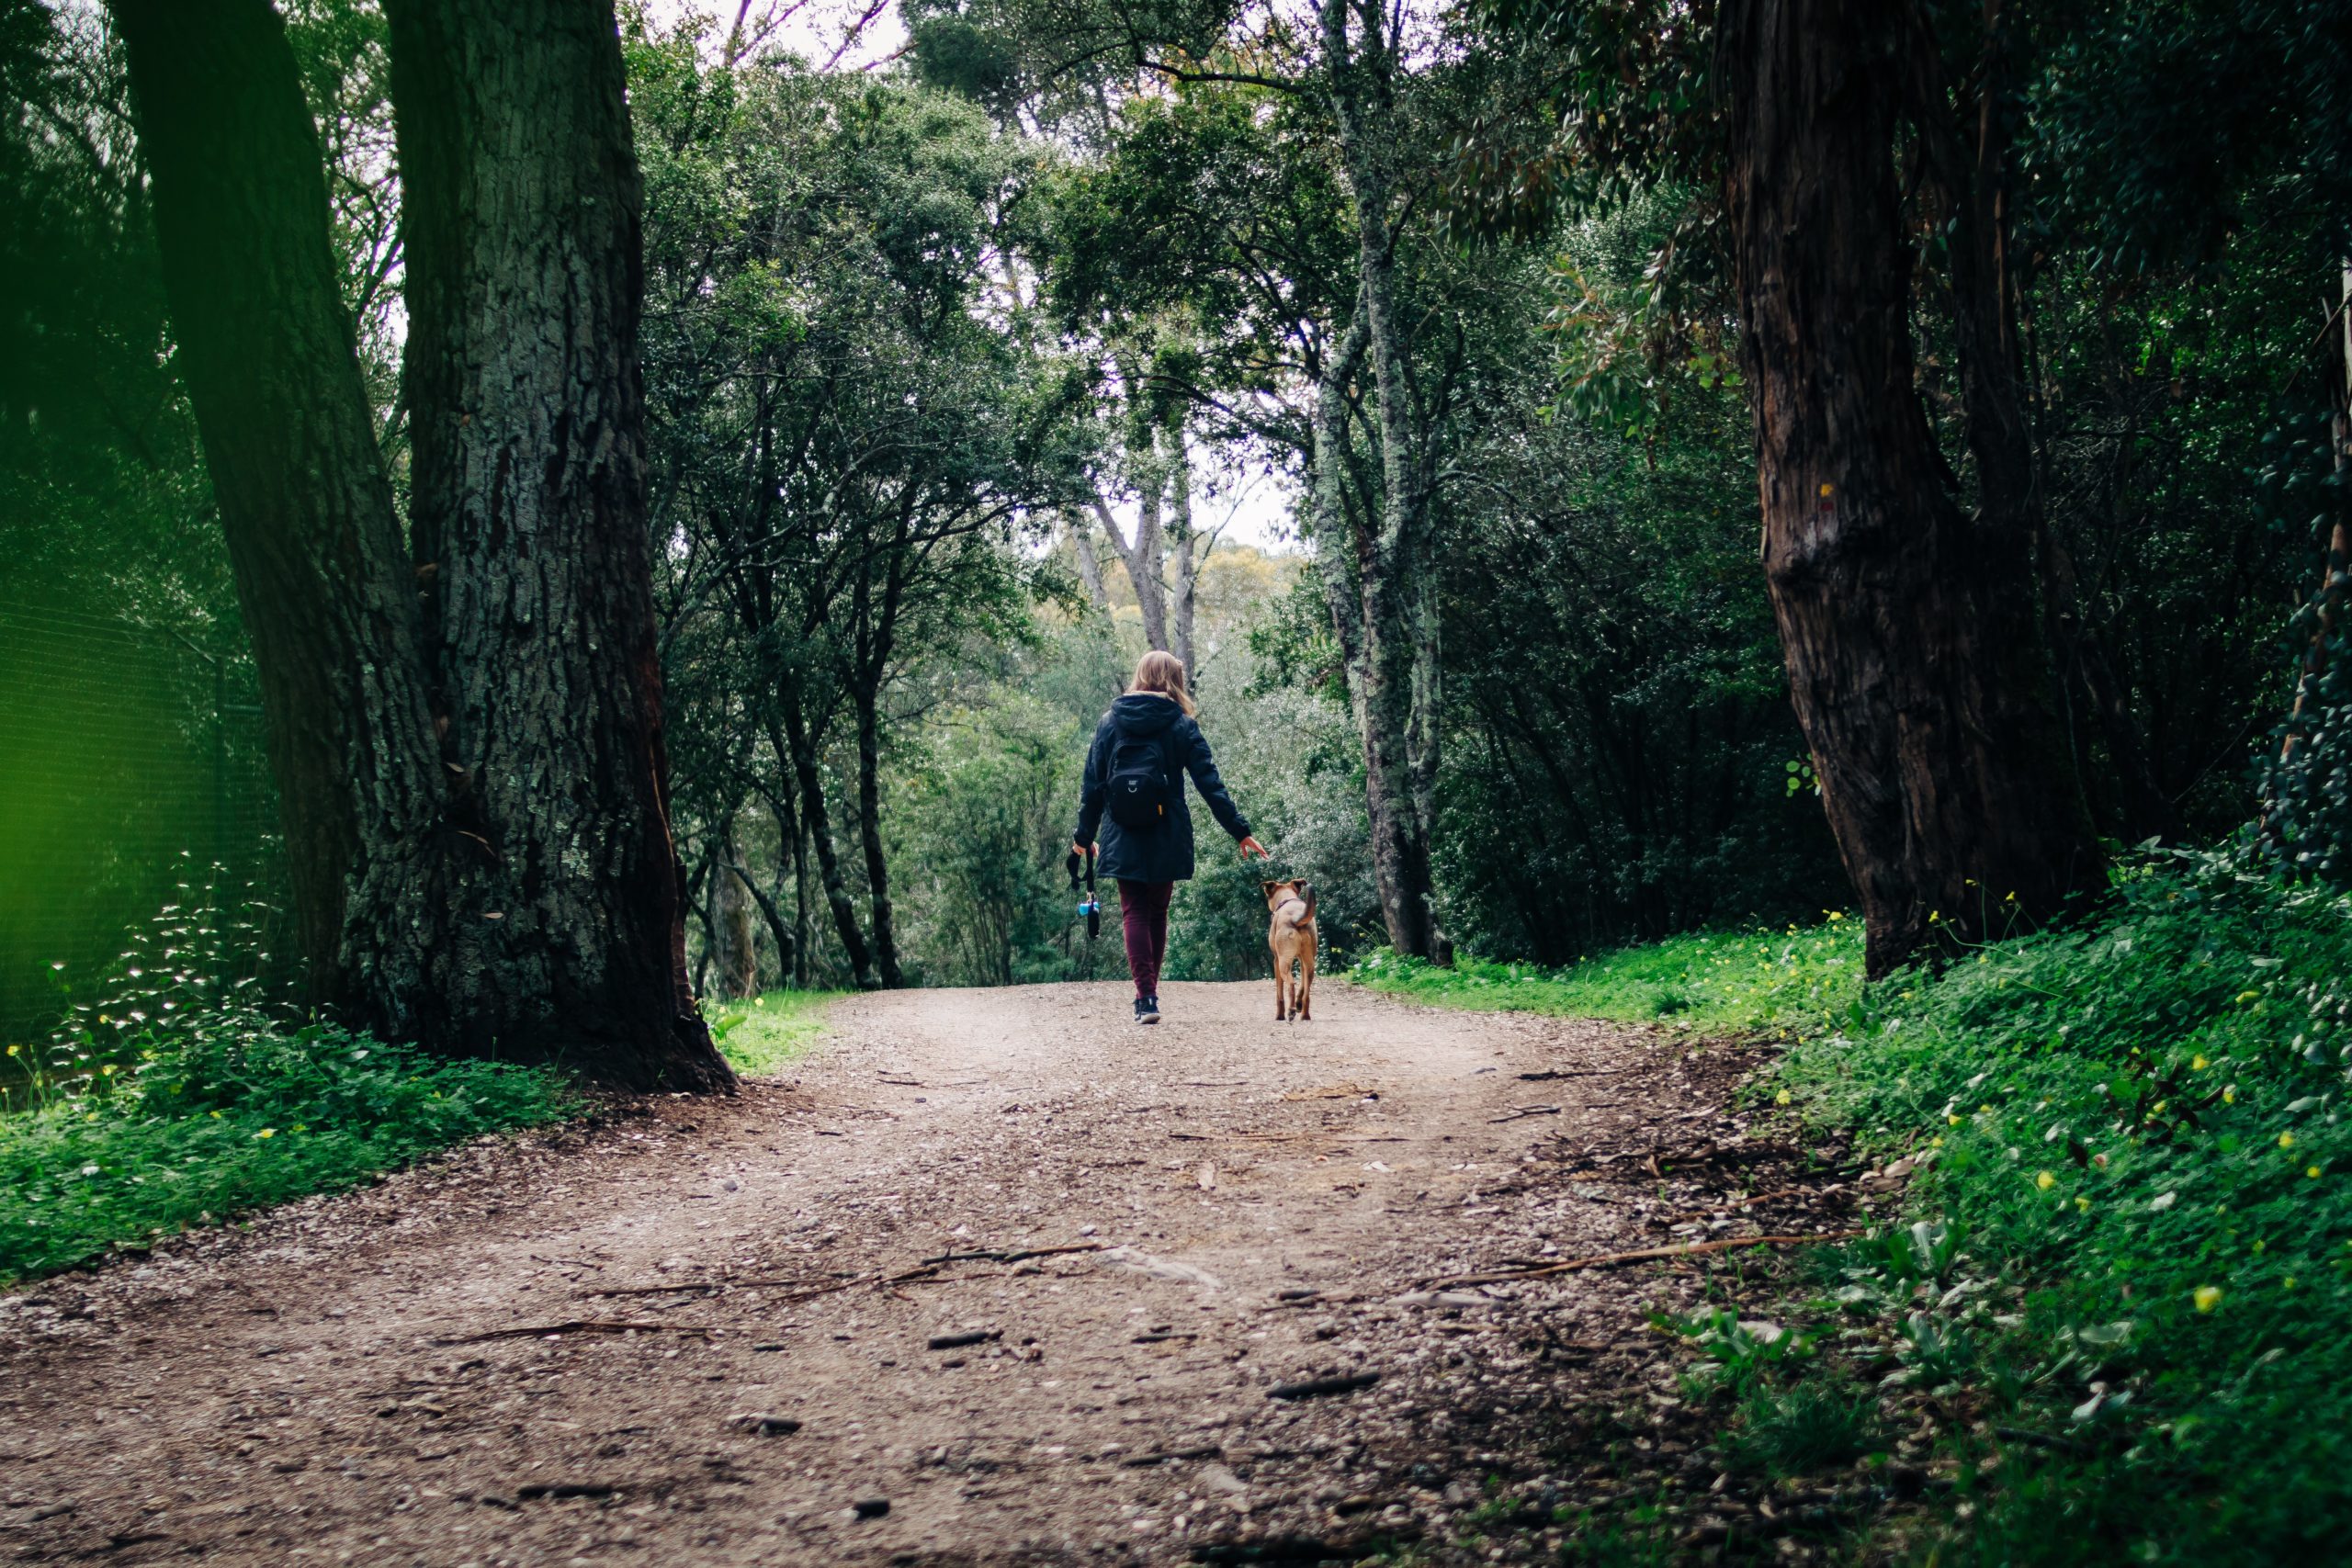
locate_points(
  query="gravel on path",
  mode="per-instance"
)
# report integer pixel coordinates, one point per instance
(995, 1277)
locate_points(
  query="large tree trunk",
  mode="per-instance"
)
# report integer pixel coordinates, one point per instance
(559, 935)
(327, 592)
(1394, 671)
(1908, 629)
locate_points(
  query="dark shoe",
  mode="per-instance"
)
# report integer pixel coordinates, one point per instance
(1146, 1009)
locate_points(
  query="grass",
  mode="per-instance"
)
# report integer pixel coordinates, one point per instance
(1796, 982)
(767, 1035)
(209, 1124)
(2118, 1314)
(178, 1102)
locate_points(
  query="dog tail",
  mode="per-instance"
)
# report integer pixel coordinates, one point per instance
(1307, 890)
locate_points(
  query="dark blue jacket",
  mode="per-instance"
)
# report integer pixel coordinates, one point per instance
(1163, 853)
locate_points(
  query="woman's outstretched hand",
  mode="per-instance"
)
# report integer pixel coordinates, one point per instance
(1078, 849)
(1250, 846)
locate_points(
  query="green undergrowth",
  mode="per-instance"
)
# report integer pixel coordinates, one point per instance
(761, 1037)
(1799, 981)
(211, 1120)
(2113, 1322)
(177, 1097)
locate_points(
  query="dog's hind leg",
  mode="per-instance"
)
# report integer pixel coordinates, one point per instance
(1281, 987)
(1306, 983)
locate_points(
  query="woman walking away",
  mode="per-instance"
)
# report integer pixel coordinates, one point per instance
(1135, 793)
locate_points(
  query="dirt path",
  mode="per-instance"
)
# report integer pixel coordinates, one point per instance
(323, 1388)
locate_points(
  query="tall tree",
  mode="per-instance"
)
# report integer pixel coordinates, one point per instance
(1909, 627)
(472, 774)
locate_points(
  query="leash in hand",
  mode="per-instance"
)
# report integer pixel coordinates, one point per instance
(1088, 903)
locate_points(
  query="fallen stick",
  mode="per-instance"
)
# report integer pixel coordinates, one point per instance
(1526, 1111)
(1013, 1257)
(575, 1326)
(1315, 1388)
(1645, 1255)
(1550, 1073)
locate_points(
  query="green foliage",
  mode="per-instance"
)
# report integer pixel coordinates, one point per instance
(222, 1110)
(1812, 1427)
(1795, 983)
(768, 1033)
(2138, 1126)
(2132, 1241)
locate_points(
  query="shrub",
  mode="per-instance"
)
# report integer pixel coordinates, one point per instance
(181, 1102)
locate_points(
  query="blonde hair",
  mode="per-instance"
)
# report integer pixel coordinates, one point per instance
(1162, 674)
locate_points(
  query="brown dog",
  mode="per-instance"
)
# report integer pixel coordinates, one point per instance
(1291, 936)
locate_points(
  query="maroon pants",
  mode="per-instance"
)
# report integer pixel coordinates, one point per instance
(1143, 918)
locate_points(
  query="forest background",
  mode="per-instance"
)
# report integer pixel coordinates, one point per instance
(957, 366)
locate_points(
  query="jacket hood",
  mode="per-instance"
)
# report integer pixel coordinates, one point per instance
(1145, 713)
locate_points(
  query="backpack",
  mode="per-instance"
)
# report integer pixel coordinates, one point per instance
(1142, 786)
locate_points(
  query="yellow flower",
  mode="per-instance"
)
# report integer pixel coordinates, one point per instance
(2159, 1109)
(1951, 1121)
(2230, 1095)
(14, 1049)
(2285, 1140)
(2045, 1181)
(267, 1133)
(1781, 1098)
(2197, 1063)
(2208, 1297)
(2311, 1171)
(1938, 1143)
(2084, 1205)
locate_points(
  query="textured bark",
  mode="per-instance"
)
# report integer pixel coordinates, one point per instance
(425, 904)
(808, 773)
(869, 834)
(561, 933)
(733, 895)
(1908, 628)
(1392, 666)
(326, 590)
(1184, 565)
(1141, 557)
(1090, 564)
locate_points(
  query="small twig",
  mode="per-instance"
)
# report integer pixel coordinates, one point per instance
(1316, 1387)
(1645, 1255)
(1550, 1073)
(575, 1326)
(1013, 1257)
(1526, 1111)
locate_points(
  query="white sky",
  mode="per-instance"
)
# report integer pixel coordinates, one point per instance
(1253, 506)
